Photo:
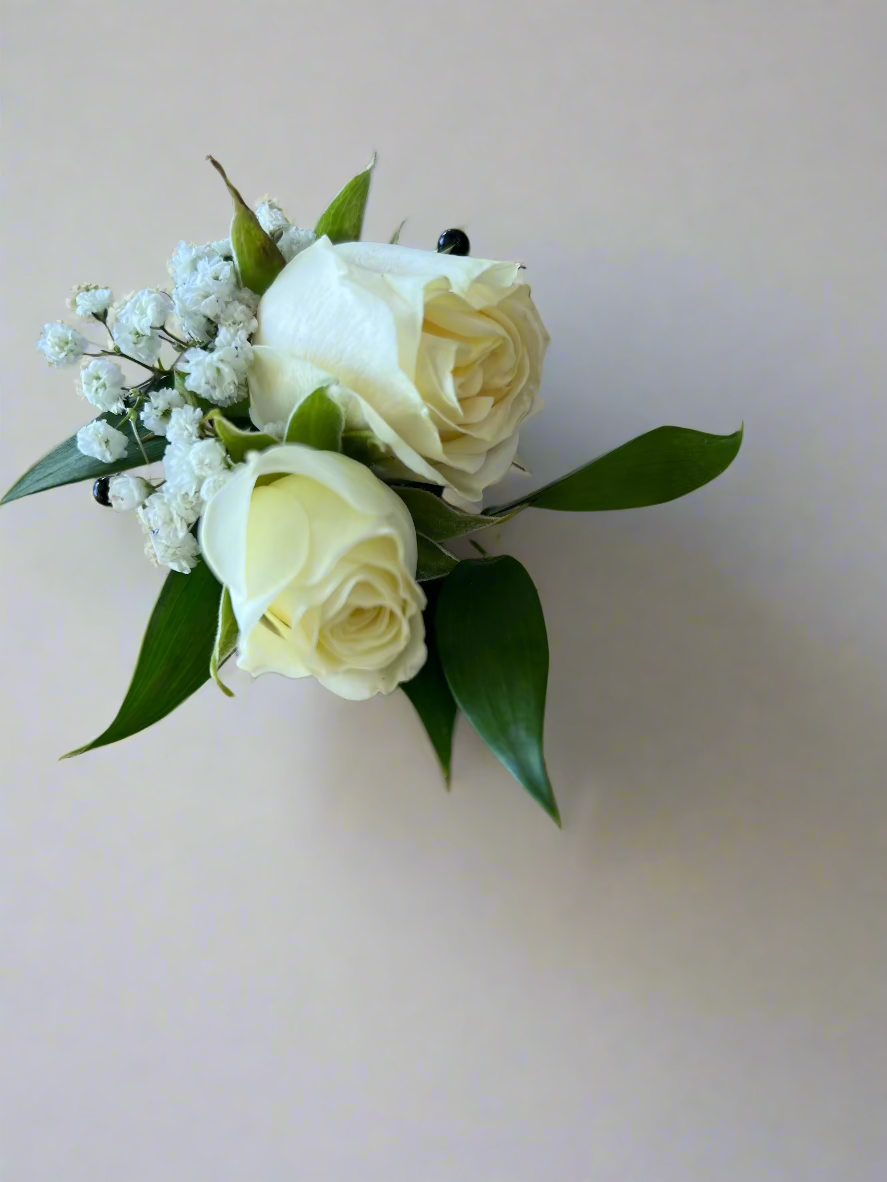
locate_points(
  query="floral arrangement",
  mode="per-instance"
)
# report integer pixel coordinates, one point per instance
(329, 415)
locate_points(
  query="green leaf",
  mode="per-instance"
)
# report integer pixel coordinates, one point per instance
(238, 410)
(238, 442)
(226, 641)
(175, 654)
(431, 697)
(317, 422)
(395, 237)
(66, 465)
(660, 466)
(494, 651)
(342, 221)
(434, 560)
(435, 519)
(364, 446)
(258, 259)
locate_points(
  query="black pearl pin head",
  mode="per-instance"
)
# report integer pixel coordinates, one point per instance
(453, 242)
(100, 491)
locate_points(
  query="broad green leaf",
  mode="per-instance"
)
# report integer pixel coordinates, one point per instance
(258, 259)
(175, 654)
(66, 465)
(342, 221)
(317, 422)
(226, 641)
(238, 410)
(660, 466)
(435, 519)
(238, 442)
(434, 560)
(364, 446)
(430, 694)
(494, 651)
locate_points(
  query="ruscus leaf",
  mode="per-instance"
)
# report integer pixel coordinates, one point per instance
(317, 422)
(435, 519)
(434, 560)
(174, 660)
(659, 466)
(494, 651)
(342, 220)
(258, 258)
(227, 634)
(237, 442)
(364, 446)
(66, 465)
(430, 694)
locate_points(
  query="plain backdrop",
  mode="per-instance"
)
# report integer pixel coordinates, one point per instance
(260, 941)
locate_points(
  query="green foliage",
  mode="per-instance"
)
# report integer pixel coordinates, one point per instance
(258, 259)
(660, 466)
(364, 446)
(342, 221)
(494, 651)
(66, 465)
(237, 442)
(434, 560)
(435, 519)
(226, 641)
(174, 660)
(430, 694)
(317, 422)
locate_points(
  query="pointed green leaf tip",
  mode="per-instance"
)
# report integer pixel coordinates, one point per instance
(175, 656)
(430, 694)
(660, 466)
(342, 220)
(434, 561)
(66, 464)
(317, 422)
(237, 442)
(258, 259)
(227, 635)
(494, 651)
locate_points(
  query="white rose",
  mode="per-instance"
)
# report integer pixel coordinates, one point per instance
(319, 557)
(441, 356)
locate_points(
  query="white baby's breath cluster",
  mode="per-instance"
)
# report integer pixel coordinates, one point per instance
(205, 317)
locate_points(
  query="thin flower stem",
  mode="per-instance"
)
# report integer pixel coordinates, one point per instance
(138, 440)
(115, 352)
(173, 339)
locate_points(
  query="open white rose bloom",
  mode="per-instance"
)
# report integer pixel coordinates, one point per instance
(439, 356)
(320, 561)
(329, 414)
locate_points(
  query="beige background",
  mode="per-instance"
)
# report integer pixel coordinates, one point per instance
(260, 941)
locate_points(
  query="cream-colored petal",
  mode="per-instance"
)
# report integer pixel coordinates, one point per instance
(358, 685)
(464, 272)
(264, 650)
(222, 531)
(496, 463)
(315, 310)
(278, 382)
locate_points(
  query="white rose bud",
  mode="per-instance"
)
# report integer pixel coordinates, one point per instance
(320, 562)
(126, 491)
(440, 355)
